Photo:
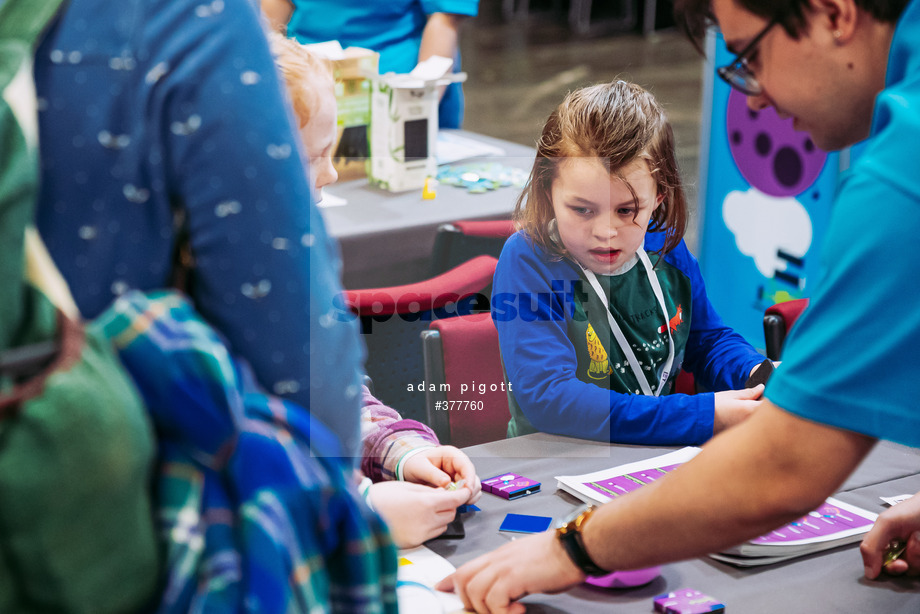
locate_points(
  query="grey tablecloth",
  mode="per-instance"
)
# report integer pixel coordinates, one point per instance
(387, 238)
(826, 582)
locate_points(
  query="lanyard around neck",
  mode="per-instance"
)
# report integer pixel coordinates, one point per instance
(621, 338)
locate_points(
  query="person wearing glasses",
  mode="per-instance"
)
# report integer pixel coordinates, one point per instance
(844, 70)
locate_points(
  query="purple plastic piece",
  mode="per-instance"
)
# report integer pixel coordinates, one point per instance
(687, 601)
(625, 579)
(510, 485)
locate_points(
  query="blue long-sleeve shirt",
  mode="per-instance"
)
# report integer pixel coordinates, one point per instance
(560, 385)
(153, 107)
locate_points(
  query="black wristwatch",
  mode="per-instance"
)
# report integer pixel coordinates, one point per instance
(568, 532)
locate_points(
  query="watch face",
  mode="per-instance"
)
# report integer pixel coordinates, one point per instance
(569, 535)
(572, 517)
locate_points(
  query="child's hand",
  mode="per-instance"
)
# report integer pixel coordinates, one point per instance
(442, 465)
(415, 513)
(733, 406)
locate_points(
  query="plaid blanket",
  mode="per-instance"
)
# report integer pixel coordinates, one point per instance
(256, 509)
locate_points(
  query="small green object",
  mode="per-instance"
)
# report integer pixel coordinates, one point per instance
(481, 177)
(894, 551)
(456, 485)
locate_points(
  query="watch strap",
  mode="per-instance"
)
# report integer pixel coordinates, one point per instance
(573, 544)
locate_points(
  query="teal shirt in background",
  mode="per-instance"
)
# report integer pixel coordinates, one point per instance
(393, 29)
(853, 357)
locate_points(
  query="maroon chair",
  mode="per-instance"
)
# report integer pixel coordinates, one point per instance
(459, 241)
(685, 384)
(777, 322)
(466, 399)
(392, 319)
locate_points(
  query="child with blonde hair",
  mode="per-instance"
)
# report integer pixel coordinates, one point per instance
(311, 87)
(405, 467)
(597, 301)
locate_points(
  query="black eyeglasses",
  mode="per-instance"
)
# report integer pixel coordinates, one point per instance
(738, 74)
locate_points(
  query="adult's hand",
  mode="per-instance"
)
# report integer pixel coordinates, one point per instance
(900, 522)
(734, 406)
(495, 581)
(415, 513)
(441, 36)
(442, 465)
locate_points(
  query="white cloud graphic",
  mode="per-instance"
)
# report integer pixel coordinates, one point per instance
(764, 225)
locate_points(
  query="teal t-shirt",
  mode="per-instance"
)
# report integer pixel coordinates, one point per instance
(393, 29)
(851, 360)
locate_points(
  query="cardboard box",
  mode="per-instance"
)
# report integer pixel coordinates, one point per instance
(404, 125)
(353, 69)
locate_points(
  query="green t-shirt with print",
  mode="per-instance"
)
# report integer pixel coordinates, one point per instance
(633, 304)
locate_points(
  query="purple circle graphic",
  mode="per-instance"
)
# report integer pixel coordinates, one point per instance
(771, 155)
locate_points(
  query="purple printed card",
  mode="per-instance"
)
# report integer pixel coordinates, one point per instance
(647, 476)
(606, 484)
(827, 520)
(687, 601)
(615, 487)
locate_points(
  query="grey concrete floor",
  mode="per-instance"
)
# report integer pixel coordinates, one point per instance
(519, 70)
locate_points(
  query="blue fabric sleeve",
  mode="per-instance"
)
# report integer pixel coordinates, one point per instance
(540, 363)
(265, 270)
(718, 357)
